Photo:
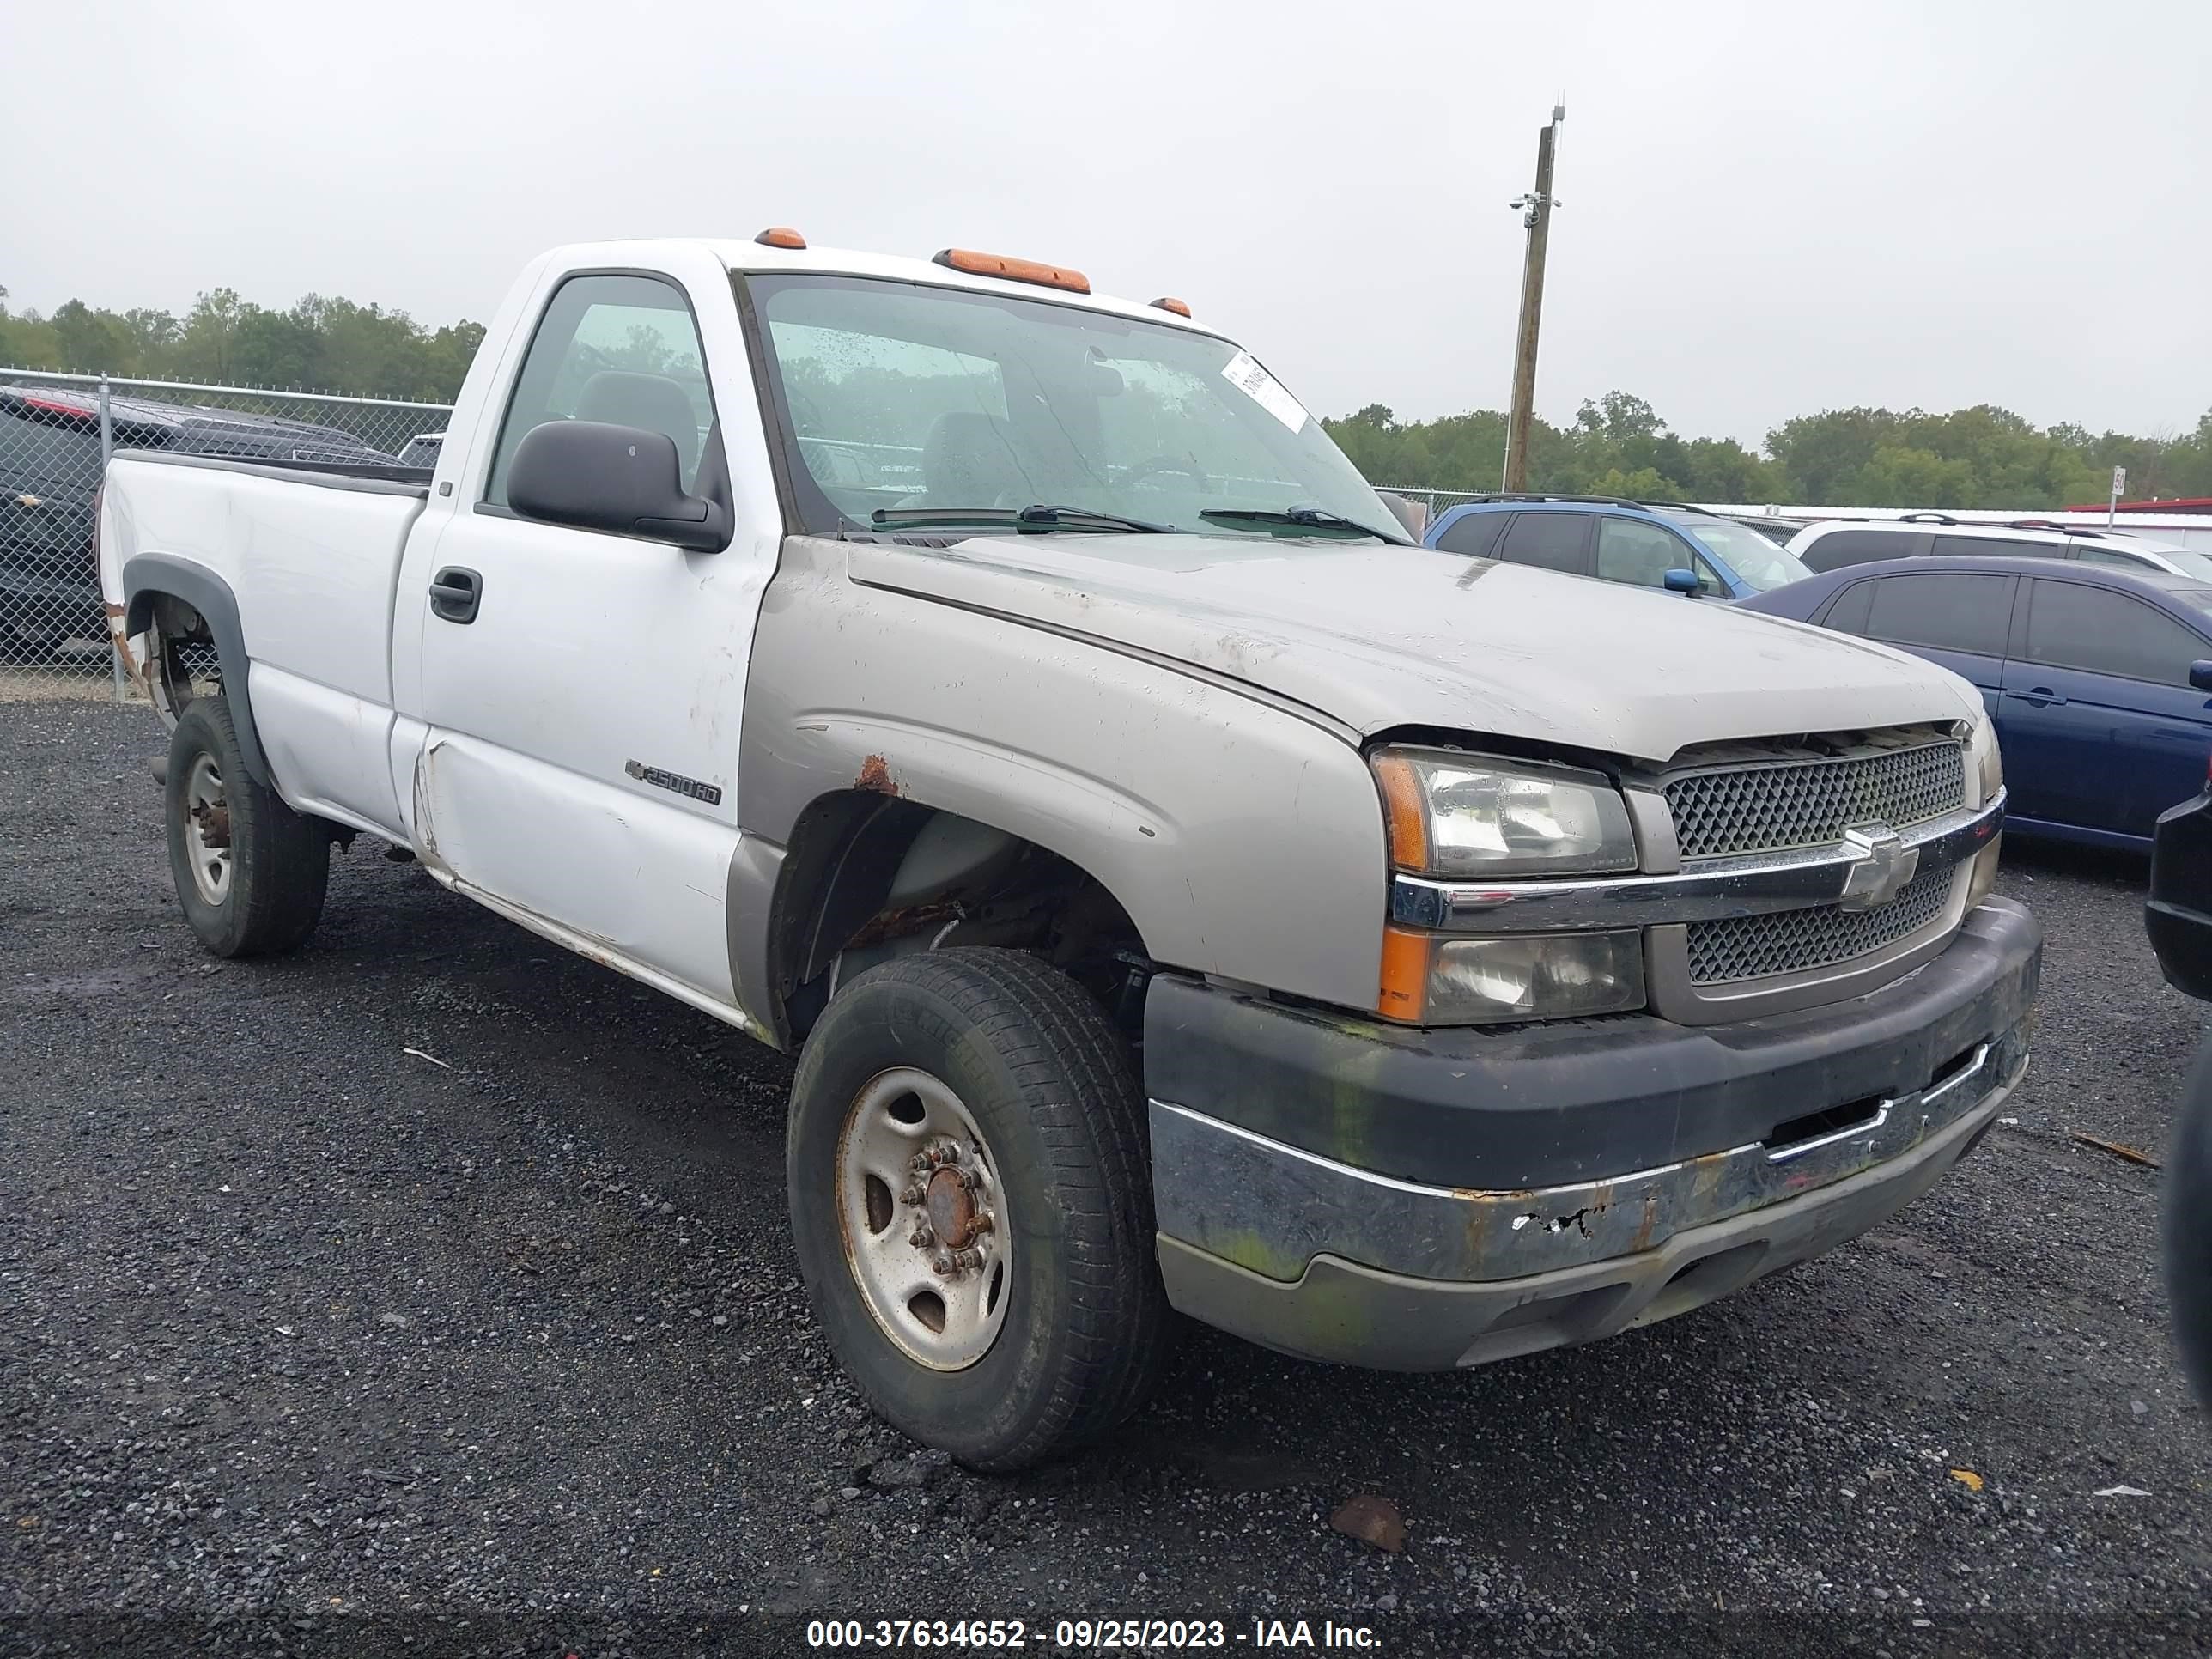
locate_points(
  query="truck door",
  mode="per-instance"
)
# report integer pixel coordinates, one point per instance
(581, 690)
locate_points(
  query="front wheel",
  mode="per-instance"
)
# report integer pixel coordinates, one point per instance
(249, 871)
(969, 1192)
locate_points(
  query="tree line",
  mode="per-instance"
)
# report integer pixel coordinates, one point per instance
(1616, 445)
(319, 344)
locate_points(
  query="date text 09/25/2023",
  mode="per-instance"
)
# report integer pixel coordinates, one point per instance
(1086, 1635)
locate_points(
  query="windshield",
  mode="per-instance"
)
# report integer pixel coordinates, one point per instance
(899, 396)
(1756, 559)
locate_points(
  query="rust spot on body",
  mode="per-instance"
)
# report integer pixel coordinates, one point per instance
(876, 776)
(1643, 1239)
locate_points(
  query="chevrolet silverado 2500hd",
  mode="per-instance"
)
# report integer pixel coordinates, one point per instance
(1178, 892)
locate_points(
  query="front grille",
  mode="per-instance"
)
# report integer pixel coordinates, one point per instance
(1791, 941)
(1773, 805)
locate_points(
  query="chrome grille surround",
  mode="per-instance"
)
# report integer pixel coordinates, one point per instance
(1776, 798)
(1806, 799)
(1779, 942)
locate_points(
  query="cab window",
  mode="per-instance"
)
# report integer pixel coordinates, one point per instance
(621, 350)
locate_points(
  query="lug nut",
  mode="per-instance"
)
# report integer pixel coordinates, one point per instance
(919, 1163)
(912, 1195)
(941, 1267)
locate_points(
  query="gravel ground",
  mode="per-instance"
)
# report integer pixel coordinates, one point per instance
(431, 1286)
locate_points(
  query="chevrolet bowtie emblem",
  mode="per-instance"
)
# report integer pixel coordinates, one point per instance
(1881, 866)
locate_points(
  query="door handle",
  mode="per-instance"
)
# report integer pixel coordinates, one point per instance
(2041, 695)
(455, 592)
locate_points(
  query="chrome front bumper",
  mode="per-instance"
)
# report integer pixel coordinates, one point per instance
(1234, 1188)
(1451, 1203)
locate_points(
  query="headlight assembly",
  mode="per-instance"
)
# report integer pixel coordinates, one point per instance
(1433, 979)
(1984, 760)
(1454, 816)
(1463, 818)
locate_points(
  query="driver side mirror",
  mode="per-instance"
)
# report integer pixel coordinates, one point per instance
(2199, 676)
(622, 479)
(1684, 582)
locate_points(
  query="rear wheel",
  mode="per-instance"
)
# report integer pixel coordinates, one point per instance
(969, 1190)
(249, 871)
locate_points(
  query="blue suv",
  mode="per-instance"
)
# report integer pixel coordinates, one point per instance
(1644, 543)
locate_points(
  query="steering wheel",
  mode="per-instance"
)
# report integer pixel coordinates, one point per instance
(1160, 464)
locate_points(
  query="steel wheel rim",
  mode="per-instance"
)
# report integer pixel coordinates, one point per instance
(207, 830)
(914, 1178)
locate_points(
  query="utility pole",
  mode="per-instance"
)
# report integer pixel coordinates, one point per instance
(1536, 218)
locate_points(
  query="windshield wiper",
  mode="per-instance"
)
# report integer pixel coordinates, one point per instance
(1301, 517)
(1024, 521)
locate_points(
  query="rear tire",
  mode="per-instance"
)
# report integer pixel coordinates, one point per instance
(1008, 1071)
(251, 873)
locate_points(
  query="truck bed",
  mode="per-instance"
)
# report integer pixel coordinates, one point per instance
(305, 559)
(389, 478)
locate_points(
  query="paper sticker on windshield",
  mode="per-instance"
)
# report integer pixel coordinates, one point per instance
(1264, 389)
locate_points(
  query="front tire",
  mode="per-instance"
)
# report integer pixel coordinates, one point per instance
(251, 873)
(948, 1088)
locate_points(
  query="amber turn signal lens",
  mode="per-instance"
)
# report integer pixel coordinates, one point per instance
(1404, 991)
(1176, 306)
(1407, 805)
(780, 236)
(1014, 270)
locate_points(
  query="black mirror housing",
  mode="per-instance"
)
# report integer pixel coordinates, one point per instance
(2199, 676)
(622, 479)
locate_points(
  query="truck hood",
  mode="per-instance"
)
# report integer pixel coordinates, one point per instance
(1377, 637)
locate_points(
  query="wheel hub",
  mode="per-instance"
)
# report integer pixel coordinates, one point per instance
(920, 1208)
(950, 1208)
(207, 830)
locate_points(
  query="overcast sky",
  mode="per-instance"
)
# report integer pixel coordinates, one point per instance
(1769, 210)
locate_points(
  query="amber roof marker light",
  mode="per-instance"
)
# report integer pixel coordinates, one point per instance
(1013, 270)
(1178, 306)
(780, 236)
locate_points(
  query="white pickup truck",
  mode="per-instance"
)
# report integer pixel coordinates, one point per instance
(1178, 890)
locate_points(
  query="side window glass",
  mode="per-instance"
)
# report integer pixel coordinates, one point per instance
(1629, 550)
(2106, 556)
(2100, 632)
(1475, 534)
(1990, 546)
(1841, 547)
(1950, 613)
(1847, 612)
(620, 350)
(1556, 541)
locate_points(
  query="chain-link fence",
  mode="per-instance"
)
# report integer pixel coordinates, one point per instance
(56, 434)
(1432, 503)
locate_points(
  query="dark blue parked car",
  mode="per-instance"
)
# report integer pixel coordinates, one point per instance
(1638, 543)
(2099, 680)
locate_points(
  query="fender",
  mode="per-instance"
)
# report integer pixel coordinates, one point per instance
(145, 575)
(1241, 839)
